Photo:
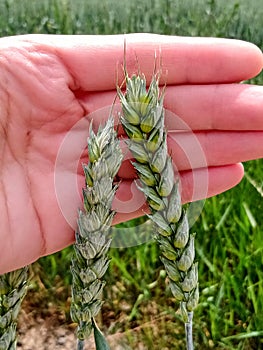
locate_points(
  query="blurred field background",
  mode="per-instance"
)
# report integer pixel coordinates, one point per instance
(229, 230)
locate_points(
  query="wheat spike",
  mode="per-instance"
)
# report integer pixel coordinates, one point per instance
(143, 121)
(13, 288)
(93, 239)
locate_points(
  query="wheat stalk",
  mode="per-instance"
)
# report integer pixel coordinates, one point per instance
(13, 288)
(143, 121)
(93, 239)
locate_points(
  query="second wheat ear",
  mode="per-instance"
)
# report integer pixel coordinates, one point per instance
(90, 261)
(143, 121)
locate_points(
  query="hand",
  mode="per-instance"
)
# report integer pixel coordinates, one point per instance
(49, 83)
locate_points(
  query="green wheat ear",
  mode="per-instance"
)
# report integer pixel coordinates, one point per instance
(143, 121)
(93, 240)
(13, 288)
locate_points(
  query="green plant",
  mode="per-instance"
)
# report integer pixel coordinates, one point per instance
(143, 122)
(93, 239)
(13, 288)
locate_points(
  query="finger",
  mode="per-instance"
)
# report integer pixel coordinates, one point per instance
(95, 61)
(196, 185)
(194, 107)
(214, 148)
(204, 149)
(221, 107)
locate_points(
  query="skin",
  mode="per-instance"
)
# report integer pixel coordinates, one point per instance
(49, 83)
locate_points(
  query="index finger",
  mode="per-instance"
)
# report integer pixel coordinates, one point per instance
(96, 61)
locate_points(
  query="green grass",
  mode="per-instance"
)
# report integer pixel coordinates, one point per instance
(231, 260)
(230, 228)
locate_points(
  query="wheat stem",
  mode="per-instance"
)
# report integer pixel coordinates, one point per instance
(189, 331)
(80, 344)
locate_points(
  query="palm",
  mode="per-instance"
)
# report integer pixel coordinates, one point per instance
(39, 108)
(46, 90)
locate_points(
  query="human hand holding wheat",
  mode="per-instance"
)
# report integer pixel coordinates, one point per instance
(49, 83)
